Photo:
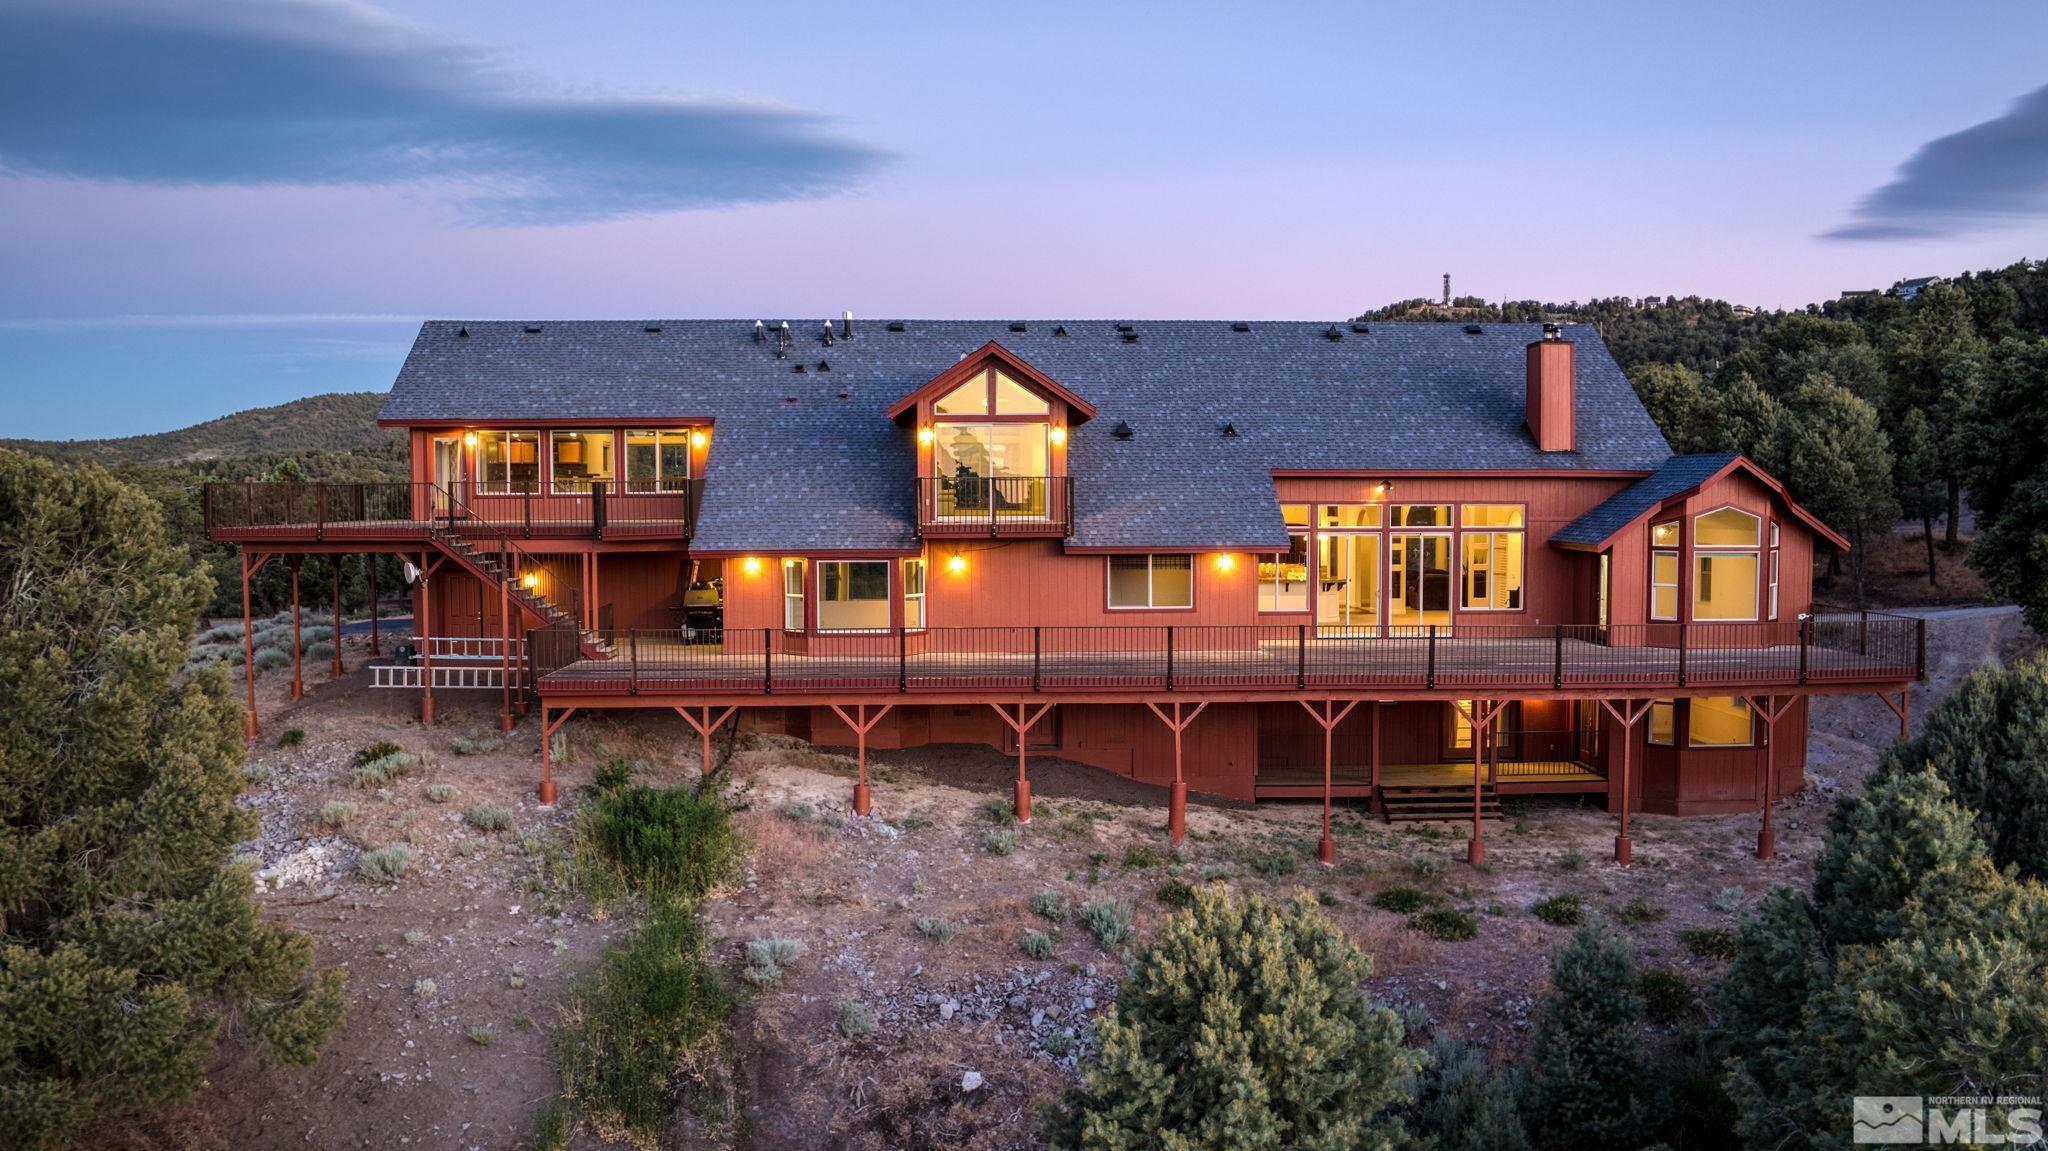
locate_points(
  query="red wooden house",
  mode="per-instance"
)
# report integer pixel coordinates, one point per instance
(1422, 565)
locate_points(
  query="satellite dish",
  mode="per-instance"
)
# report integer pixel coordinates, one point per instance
(412, 572)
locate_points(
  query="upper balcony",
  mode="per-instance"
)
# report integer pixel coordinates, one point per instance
(288, 512)
(1008, 506)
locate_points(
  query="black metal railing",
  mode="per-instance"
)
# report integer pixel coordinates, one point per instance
(1482, 659)
(995, 505)
(317, 511)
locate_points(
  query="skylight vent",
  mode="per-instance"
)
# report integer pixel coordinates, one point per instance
(1122, 431)
(651, 328)
(1230, 431)
(896, 327)
(1240, 326)
(462, 333)
(823, 366)
(1124, 327)
(1060, 330)
(1333, 333)
(1473, 329)
(1017, 327)
(799, 369)
(533, 329)
(1359, 328)
(1130, 337)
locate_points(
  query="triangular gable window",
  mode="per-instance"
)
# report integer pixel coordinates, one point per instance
(992, 392)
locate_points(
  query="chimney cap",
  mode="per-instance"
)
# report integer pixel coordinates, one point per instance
(1553, 331)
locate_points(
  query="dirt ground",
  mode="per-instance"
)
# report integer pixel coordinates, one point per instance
(913, 920)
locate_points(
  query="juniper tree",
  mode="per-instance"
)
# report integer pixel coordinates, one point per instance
(1244, 1026)
(1465, 1104)
(126, 936)
(1586, 1087)
(1988, 741)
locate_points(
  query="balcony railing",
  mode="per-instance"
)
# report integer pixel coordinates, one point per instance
(1478, 660)
(995, 505)
(319, 512)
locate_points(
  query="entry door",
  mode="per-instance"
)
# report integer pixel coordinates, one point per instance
(1419, 581)
(1348, 585)
(447, 471)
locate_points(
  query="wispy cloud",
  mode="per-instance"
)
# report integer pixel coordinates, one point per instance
(1989, 173)
(211, 320)
(327, 92)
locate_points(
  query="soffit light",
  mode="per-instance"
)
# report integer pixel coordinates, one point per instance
(924, 436)
(957, 564)
(469, 439)
(1226, 562)
(1059, 435)
(699, 439)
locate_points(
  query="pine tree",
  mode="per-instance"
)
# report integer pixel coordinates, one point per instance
(1465, 1104)
(1988, 742)
(1586, 1087)
(125, 934)
(1245, 1026)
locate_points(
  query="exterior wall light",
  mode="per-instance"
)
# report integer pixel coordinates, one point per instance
(751, 565)
(469, 439)
(699, 439)
(530, 580)
(957, 564)
(924, 436)
(1059, 435)
(1226, 562)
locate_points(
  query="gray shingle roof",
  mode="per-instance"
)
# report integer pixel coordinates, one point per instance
(1678, 475)
(797, 466)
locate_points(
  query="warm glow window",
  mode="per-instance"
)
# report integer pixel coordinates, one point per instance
(580, 459)
(508, 461)
(793, 595)
(1663, 584)
(1663, 722)
(1491, 577)
(1461, 727)
(913, 594)
(1726, 565)
(1719, 721)
(853, 595)
(991, 449)
(1774, 571)
(1152, 581)
(658, 461)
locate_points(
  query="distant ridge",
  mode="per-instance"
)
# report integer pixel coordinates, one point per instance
(336, 422)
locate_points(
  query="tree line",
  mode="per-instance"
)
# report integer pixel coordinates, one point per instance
(1871, 408)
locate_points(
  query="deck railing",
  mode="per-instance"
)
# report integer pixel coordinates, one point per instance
(1637, 659)
(318, 511)
(995, 505)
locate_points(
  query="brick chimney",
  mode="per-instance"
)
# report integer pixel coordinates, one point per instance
(1552, 391)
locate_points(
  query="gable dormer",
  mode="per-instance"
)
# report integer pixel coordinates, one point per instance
(991, 445)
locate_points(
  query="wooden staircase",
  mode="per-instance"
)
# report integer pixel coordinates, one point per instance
(1423, 804)
(485, 566)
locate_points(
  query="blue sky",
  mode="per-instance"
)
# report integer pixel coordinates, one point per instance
(226, 203)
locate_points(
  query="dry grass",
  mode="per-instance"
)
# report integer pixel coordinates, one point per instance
(783, 845)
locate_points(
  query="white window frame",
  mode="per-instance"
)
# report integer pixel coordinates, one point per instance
(888, 595)
(503, 436)
(1493, 538)
(1151, 599)
(661, 481)
(1774, 569)
(1668, 707)
(1676, 585)
(1748, 741)
(611, 485)
(795, 600)
(923, 573)
(1702, 553)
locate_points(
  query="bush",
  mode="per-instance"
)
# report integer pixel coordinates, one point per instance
(999, 840)
(1466, 1104)
(1446, 924)
(291, 737)
(336, 813)
(1138, 855)
(383, 770)
(440, 792)
(1053, 904)
(768, 956)
(1708, 942)
(662, 843)
(1559, 910)
(935, 929)
(1401, 900)
(855, 1020)
(1667, 997)
(1289, 1041)
(999, 811)
(321, 650)
(1037, 945)
(488, 817)
(1988, 741)
(653, 1003)
(1586, 1079)
(270, 659)
(1109, 919)
(1639, 912)
(385, 864)
(1175, 893)
(382, 749)
(475, 745)
(612, 775)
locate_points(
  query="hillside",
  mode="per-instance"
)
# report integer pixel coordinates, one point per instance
(338, 422)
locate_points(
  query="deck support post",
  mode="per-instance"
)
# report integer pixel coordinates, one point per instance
(504, 645)
(861, 723)
(704, 724)
(1480, 713)
(249, 567)
(1177, 791)
(1627, 715)
(1372, 756)
(298, 680)
(548, 726)
(1772, 710)
(370, 562)
(426, 634)
(334, 561)
(1021, 726)
(1903, 709)
(1327, 717)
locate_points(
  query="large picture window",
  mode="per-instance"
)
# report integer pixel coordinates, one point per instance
(793, 595)
(1492, 562)
(658, 461)
(853, 595)
(1152, 581)
(1283, 577)
(580, 459)
(1726, 565)
(1719, 721)
(508, 461)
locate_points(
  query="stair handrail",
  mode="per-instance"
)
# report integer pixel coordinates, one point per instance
(512, 557)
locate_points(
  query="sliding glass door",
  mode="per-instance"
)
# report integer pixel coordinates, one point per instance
(1419, 581)
(1348, 585)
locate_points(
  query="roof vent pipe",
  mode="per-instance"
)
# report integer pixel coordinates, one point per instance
(782, 340)
(846, 325)
(760, 332)
(828, 333)
(1551, 409)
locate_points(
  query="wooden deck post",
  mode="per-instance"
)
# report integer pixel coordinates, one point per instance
(298, 681)
(861, 726)
(1327, 717)
(1627, 716)
(370, 561)
(1177, 791)
(1772, 711)
(704, 727)
(1480, 714)
(335, 562)
(504, 644)
(1903, 709)
(249, 646)
(1372, 717)
(1022, 726)
(548, 727)
(425, 630)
